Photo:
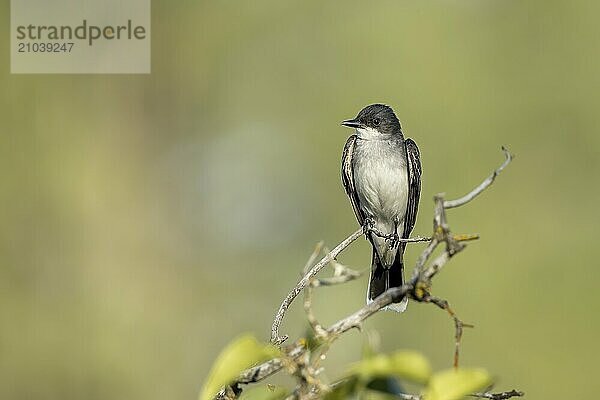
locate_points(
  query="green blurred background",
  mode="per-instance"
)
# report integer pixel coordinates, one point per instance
(149, 219)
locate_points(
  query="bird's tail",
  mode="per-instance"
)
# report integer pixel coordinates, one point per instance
(384, 278)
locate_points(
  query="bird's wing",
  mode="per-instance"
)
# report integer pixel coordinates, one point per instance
(348, 177)
(414, 185)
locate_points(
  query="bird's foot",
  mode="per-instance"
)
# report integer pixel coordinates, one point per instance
(394, 240)
(368, 225)
(394, 237)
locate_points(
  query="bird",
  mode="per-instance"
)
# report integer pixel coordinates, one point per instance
(381, 174)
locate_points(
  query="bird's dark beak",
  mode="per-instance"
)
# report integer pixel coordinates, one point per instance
(352, 123)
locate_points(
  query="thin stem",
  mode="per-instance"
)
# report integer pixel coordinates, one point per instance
(275, 338)
(484, 185)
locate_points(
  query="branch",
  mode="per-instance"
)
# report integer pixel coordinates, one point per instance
(417, 289)
(312, 319)
(275, 338)
(341, 274)
(395, 238)
(498, 396)
(484, 185)
(486, 395)
(264, 370)
(308, 276)
(458, 324)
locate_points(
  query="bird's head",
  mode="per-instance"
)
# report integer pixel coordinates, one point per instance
(376, 121)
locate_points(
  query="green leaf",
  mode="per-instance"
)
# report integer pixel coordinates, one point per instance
(456, 384)
(264, 392)
(242, 353)
(407, 365)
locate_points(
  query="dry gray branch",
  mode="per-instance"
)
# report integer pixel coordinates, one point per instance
(310, 315)
(484, 185)
(341, 274)
(498, 396)
(485, 395)
(417, 289)
(308, 277)
(313, 257)
(275, 338)
(458, 323)
(347, 276)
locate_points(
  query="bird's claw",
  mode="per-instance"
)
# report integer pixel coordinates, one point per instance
(394, 237)
(368, 225)
(394, 240)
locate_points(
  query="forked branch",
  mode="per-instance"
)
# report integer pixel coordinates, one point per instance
(417, 289)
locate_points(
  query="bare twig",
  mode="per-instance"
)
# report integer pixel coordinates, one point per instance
(312, 320)
(310, 315)
(423, 259)
(341, 274)
(485, 395)
(347, 276)
(498, 396)
(355, 320)
(417, 289)
(298, 349)
(264, 370)
(436, 265)
(391, 236)
(275, 338)
(484, 185)
(458, 323)
(311, 260)
(415, 239)
(227, 393)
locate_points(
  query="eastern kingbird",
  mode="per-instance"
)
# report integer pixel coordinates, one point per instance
(381, 173)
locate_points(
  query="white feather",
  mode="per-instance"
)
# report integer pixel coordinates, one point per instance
(381, 183)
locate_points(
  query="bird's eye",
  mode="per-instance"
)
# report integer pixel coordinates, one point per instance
(376, 121)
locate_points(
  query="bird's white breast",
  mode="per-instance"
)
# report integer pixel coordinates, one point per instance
(381, 183)
(381, 180)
